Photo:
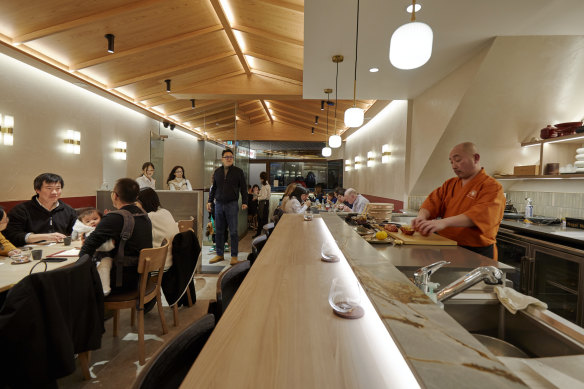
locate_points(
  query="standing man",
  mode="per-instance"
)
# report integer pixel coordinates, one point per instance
(470, 205)
(44, 217)
(228, 180)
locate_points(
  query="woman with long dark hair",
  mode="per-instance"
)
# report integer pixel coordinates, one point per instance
(146, 180)
(177, 179)
(263, 202)
(6, 248)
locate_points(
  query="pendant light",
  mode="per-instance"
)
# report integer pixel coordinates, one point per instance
(354, 115)
(326, 151)
(411, 44)
(335, 140)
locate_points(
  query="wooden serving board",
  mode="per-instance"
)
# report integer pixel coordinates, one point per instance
(432, 239)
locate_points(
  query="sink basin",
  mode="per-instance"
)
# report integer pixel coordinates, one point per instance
(538, 333)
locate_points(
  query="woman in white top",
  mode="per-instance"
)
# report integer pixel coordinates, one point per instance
(146, 180)
(177, 180)
(163, 224)
(297, 203)
(263, 202)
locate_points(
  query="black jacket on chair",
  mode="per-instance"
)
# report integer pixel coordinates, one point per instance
(185, 252)
(46, 319)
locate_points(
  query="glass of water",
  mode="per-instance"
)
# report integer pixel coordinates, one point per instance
(345, 295)
(308, 215)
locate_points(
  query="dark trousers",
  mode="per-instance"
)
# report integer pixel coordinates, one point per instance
(487, 251)
(263, 210)
(226, 216)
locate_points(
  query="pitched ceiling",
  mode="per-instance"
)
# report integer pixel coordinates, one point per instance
(238, 59)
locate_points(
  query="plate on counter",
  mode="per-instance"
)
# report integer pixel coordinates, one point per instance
(373, 239)
(363, 231)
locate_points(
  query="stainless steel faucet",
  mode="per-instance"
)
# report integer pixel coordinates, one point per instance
(422, 275)
(490, 274)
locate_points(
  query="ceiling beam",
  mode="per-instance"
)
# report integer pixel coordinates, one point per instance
(219, 127)
(286, 5)
(230, 35)
(165, 71)
(266, 109)
(293, 122)
(275, 60)
(197, 122)
(143, 48)
(228, 106)
(51, 30)
(315, 112)
(206, 81)
(187, 108)
(276, 77)
(268, 35)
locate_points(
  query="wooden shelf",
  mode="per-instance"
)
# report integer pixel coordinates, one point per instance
(576, 138)
(564, 176)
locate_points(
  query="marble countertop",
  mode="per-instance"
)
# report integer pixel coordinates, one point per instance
(439, 351)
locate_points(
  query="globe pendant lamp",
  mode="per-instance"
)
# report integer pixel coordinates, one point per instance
(335, 140)
(354, 116)
(411, 44)
(326, 151)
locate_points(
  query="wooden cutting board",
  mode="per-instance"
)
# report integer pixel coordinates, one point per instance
(433, 239)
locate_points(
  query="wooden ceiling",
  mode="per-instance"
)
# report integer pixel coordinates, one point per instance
(240, 60)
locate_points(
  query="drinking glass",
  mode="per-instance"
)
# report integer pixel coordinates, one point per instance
(345, 295)
(308, 215)
(329, 251)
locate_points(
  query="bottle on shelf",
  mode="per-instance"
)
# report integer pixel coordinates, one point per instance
(528, 208)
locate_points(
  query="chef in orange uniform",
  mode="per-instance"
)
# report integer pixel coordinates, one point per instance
(470, 205)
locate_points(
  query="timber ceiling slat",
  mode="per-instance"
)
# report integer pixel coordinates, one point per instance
(253, 60)
(145, 47)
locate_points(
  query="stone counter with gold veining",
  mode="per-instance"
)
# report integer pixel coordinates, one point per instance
(439, 351)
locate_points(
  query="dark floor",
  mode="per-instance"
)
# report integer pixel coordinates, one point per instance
(115, 365)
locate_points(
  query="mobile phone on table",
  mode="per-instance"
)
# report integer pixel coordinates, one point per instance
(55, 259)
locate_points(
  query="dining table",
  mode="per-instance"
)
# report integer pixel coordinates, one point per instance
(11, 274)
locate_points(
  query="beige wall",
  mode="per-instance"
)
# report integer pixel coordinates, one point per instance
(385, 180)
(45, 106)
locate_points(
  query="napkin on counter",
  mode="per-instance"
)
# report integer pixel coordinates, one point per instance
(515, 301)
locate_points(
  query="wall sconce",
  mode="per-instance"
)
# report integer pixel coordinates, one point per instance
(73, 142)
(385, 153)
(120, 150)
(370, 158)
(6, 130)
(357, 162)
(348, 165)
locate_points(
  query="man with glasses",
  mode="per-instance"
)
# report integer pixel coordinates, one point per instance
(228, 180)
(44, 217)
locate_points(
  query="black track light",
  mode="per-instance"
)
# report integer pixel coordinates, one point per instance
(316, 120)
(165, 124)
(172, 126)
(110, 42)
(322, 105)
(192, 103)
(313, 130)
(167, 85)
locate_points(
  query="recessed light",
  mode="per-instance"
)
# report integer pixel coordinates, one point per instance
(374, 70)
(409, 9)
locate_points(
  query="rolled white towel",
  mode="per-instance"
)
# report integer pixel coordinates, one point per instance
(515, 301)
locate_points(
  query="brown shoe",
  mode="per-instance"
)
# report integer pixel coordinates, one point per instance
(216, 258)
(234, 261)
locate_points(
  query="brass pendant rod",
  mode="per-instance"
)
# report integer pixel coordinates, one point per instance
(356, 51)
(413, 19)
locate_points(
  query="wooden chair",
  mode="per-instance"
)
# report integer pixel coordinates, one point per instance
(185, 225)
(172, 362)
(150, 260)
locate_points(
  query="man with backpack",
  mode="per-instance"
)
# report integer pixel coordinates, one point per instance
(129, 239)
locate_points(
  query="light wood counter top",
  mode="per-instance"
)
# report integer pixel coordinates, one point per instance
(280, 332)
(10, 274)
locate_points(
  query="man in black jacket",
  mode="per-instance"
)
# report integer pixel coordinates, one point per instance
(124, 195)
(44, 217)
(228, 180)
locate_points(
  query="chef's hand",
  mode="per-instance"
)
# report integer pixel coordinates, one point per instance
(427, 227)
(243, 206)
(208, 207)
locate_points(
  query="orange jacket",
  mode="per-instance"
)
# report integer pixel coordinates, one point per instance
(481, 199)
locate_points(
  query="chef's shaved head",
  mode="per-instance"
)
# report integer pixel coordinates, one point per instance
(464, 159)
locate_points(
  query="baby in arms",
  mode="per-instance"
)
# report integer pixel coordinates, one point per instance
(86, 222)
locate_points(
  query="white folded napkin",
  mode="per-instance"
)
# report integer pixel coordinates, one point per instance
(515, 301)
